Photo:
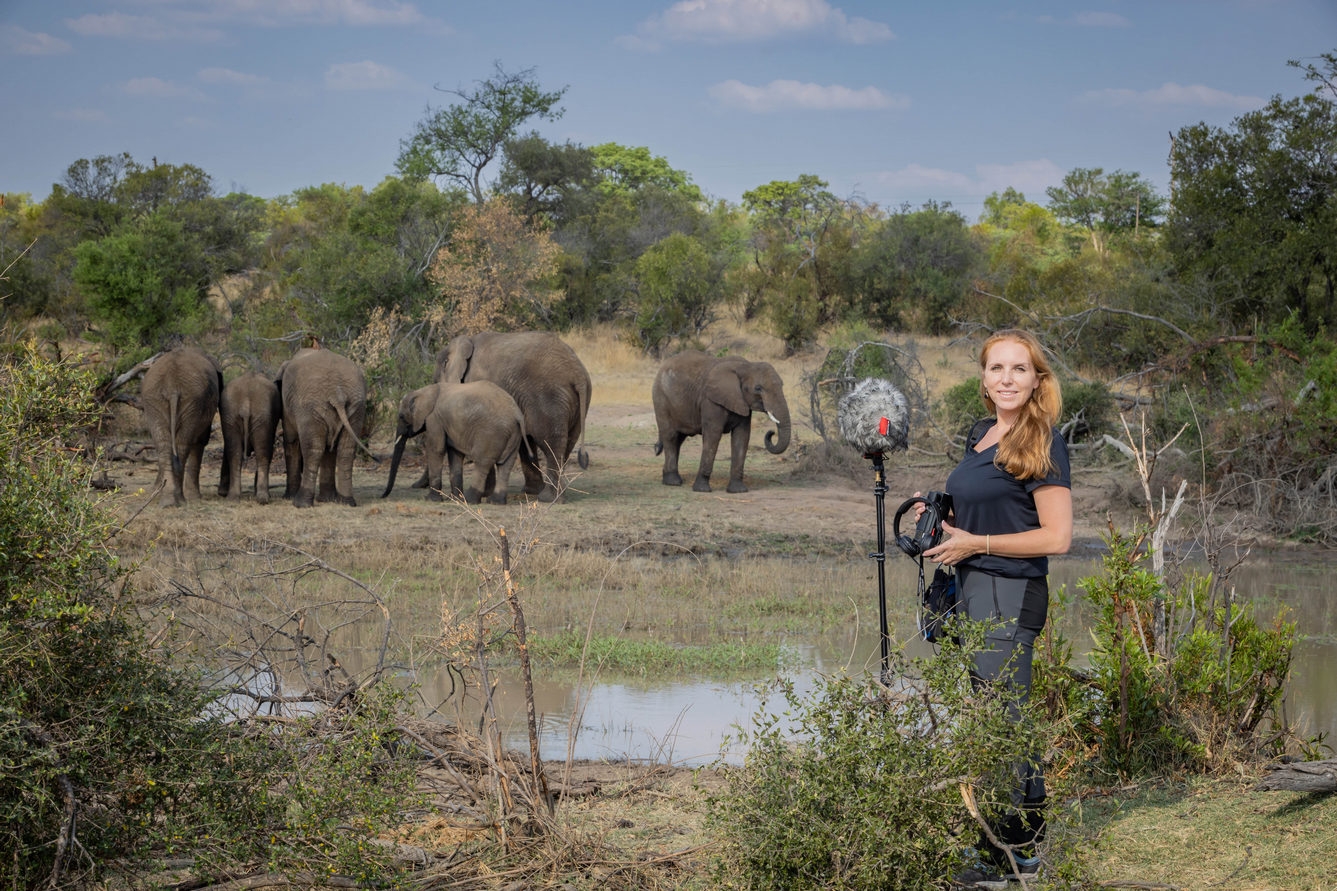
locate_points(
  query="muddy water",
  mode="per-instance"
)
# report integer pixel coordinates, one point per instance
(691, 721)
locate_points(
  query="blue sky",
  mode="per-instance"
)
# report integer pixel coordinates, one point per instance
(890, 102)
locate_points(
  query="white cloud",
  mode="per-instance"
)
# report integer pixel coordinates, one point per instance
(1173, 94)
(120, 25)
(22, 42)
(157, 88)
(324, 12)
(228, 77)
(791, 94)
(362, 76)
(1101, 20)
(203, 22)
(742, 20)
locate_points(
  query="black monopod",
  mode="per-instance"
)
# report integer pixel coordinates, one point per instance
(874, 417)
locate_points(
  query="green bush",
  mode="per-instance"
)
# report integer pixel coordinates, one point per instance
(109, 753)
(862, 791)
(1177, 682)
(104, 749)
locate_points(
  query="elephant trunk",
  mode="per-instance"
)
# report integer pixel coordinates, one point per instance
(394, 464)
(777, 440)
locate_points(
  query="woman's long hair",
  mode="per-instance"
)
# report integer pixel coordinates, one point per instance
(1024, 451)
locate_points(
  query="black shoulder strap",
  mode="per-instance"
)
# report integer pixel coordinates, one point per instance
(977, 432)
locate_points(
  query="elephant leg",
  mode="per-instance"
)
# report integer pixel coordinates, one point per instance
(457, 475)
(500, 481)
(343, 470)
(555, 462)
(533, 473)
(435, 459)
(171, 483)
(227, 474)
(311, 459)
(481, 479)
(423, 481)
(672, 443)
(710, 443)
(326, 489)
(262, 459)
(292, 463)
(740, 437)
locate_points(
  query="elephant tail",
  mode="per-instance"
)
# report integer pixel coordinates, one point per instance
(173, 413)
(583, 406)
(348, 425)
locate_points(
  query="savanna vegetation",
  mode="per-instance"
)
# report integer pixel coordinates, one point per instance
(173, 695)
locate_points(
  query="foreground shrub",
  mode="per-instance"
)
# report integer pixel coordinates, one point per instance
(1179, 680)
(103, 749)
(862, 787)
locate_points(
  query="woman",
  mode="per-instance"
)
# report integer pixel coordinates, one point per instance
(1011, 510)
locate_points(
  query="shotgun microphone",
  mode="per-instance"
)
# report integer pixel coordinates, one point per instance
(874, 417)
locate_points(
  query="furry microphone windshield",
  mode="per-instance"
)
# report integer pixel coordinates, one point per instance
(874, 417)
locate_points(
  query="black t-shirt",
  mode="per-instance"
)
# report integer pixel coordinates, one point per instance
(987, 500)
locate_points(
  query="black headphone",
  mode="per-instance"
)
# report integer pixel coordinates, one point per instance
(928, 530)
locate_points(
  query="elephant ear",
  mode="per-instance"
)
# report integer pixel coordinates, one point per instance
(421, 402)
(459, 352)
(723, 387)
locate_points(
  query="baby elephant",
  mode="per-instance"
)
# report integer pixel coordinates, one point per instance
(478, 420)
(250, 410)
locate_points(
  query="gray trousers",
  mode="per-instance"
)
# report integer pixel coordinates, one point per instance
(1017, 609)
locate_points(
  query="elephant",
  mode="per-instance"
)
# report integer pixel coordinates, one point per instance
(478, 420)
(324, 399)
(250, 410)
(549, 383)
(179, 396)
(695, 392)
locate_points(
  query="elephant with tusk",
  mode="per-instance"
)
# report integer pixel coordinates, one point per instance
(696, 393)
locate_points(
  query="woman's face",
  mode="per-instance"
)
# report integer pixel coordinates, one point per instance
(1009, 376)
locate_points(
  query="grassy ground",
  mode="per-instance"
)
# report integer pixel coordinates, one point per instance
(629, 558)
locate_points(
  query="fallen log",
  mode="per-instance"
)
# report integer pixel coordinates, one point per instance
(1300, 776)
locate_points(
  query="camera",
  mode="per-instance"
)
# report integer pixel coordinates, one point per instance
(928, 531)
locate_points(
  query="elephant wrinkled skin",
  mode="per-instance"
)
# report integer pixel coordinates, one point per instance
(179, 396)
(478, 420)
(250, 410)
(549, 383)
(696, 393)
(324, 406)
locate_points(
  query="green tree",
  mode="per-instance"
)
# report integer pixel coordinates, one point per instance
(461, 141)
(145, 283)
(793, 222)
(678, 284)
(544, 176)
(624, 169)
(1105, 205)
(914, 269)
(1255, 207)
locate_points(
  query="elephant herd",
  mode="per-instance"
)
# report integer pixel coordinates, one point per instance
(496, 399)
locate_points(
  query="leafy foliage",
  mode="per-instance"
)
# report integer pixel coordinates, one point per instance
(858, 788)
(104, 748)
(1255, 209)
(460, 142)
(1180, 680)
(494, 272)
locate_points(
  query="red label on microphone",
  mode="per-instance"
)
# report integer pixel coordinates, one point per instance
(883, 426)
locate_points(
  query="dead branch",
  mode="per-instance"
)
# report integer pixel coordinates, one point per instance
(105, 391)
